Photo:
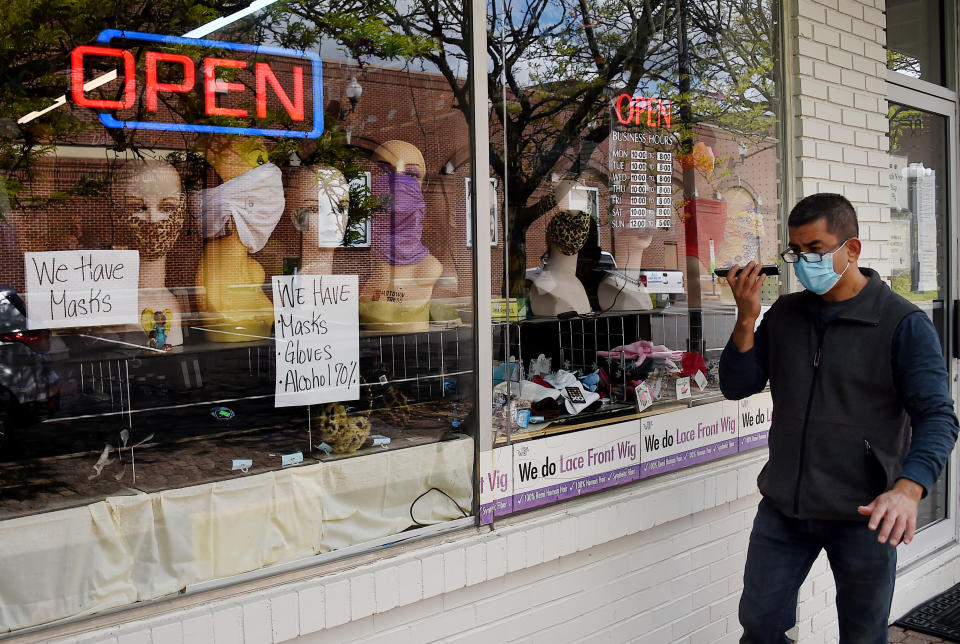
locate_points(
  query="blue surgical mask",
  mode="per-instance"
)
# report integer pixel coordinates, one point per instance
(819, 277)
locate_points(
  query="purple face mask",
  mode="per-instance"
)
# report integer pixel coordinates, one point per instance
(398, 223)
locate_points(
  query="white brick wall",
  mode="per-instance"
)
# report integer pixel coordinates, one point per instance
(840, 110)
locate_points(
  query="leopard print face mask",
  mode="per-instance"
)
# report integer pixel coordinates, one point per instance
(568, 231)
(153, 239)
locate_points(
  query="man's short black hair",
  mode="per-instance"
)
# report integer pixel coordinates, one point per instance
(839, 213)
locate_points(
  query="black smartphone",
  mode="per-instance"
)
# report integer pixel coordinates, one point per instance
(766, 269)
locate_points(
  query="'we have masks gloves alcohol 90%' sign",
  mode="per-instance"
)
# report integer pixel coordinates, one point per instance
(80, 288)
(317, 337)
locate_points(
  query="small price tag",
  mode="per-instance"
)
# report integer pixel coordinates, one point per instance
(644, 396)
(700, 379)
(656, 386)
(242, 464)
(291, 459)
(683, 388)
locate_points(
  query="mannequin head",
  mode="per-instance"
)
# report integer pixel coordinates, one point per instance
(402, 157)
(231, 156)
(150, 208)
(333, 200)
(628, 248)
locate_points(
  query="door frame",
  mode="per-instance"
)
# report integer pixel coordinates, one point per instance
(934, 99)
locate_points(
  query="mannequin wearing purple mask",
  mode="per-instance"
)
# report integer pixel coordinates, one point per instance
(397, 295)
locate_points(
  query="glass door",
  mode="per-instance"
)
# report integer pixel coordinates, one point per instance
(921, 253)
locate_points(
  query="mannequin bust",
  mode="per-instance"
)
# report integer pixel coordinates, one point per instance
(397, 295)
(622, 290)
(150, 218)
(555, 289)
(238, 217)
(318, 197)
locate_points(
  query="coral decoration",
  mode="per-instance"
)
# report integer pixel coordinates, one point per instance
(701, 158)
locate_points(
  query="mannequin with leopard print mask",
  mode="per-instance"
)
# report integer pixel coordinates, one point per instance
(149, 218)
(555, 289)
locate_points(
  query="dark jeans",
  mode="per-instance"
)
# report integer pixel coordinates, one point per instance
(780, 555)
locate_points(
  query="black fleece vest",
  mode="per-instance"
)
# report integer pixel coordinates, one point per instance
(839, 432)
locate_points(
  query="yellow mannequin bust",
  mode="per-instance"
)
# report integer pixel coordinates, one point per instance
(232, 280)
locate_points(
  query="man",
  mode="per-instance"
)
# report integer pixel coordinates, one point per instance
(852, 366)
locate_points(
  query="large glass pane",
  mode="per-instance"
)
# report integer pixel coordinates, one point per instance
(915, 39)
(637, 150)
(918, 233)
(236, 323)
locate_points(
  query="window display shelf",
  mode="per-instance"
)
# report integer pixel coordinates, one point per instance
(611, 356)
(627, 414)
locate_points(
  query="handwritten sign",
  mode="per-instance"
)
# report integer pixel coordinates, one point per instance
(70, 288)
(317, 336)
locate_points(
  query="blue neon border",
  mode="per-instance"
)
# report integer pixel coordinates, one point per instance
(109, 120)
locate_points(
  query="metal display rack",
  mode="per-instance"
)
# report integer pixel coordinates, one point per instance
(573, 343)
(425, 366)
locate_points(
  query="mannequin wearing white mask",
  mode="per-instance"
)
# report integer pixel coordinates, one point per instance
(238, 217)
(317, 199)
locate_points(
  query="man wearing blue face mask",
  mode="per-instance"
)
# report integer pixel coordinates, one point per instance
(852, 368)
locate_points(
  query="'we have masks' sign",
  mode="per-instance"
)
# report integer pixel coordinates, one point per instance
(71, 288)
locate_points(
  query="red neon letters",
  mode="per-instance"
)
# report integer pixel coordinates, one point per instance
(265, 75)
(658, 111)
(212, 85)
(153, 87)
(76, 78)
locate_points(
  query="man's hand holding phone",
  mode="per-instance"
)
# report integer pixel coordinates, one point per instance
(746, 283)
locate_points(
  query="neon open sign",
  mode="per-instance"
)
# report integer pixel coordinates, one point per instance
(205, 78)
(634, 110)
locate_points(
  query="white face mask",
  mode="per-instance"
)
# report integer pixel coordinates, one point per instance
(254, 202)
(332, 200)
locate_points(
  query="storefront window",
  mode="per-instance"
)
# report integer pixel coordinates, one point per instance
(637, 147)
(236, 317)
(915, 48)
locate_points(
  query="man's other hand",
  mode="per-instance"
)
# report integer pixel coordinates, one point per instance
(897, 509)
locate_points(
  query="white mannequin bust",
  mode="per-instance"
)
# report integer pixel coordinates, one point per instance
(556, 289)
(622, 290)
(318, 197)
